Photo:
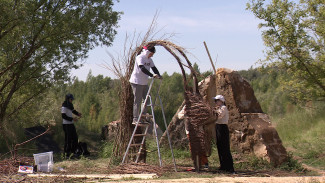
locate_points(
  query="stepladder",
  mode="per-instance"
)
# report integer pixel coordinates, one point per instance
(136, 147)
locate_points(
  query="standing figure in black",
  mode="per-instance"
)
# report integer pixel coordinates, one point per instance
(70, 133)
(222, 135)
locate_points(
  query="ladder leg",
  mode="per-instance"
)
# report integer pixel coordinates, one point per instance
(155, 130)
(136, 126)
(128, 147)
(142, 144)
(170, 145)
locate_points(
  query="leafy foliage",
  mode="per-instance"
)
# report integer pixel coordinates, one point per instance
(42, 40)
(294, 34)
(268, 88)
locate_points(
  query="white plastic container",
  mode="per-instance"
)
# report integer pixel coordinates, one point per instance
(44, 161)
(45, 167)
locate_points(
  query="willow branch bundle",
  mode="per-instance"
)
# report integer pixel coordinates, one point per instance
(198, 113)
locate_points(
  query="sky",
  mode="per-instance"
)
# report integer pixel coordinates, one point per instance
(230, 31)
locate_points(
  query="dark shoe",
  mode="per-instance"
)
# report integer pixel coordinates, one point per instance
(231, 171)
(221, 169)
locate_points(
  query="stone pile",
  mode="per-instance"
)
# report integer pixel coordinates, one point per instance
(250, 129)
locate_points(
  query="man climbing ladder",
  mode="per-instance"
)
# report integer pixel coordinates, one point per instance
(139, 77)
(139, 144)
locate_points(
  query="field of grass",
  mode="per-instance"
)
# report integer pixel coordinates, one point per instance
(303, 133)
(183, 159)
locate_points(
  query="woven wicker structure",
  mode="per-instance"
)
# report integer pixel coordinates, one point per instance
(197, 112)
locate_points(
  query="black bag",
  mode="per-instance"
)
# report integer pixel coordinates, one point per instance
(82, 149)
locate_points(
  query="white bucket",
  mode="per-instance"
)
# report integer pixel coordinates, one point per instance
(44, 161)
(45, 167)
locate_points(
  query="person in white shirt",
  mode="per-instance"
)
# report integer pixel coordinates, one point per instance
(222, 135)
(70, 133)
(140, 75)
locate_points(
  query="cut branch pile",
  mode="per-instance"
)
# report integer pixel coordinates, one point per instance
(10, 166)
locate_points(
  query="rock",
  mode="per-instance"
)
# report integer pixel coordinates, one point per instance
(111, 130)
(250, 129)
(176, 129)
(269, 145)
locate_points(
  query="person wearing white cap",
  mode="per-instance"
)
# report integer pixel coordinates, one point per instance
(139, 77)
(222, 135)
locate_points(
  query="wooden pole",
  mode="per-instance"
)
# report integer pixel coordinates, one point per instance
(206, 47)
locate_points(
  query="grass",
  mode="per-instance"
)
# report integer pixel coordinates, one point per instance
(302, 132)
(99, 163)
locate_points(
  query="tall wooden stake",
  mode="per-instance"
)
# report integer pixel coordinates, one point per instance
(206, 47)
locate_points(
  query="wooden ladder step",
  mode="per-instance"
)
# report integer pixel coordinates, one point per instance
(145, 116)
(135, 154)
(142, 124)
(139, 135)
(133, 145)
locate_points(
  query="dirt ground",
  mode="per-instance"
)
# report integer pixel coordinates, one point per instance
(239, 180)
(217, 178)
(166, 174)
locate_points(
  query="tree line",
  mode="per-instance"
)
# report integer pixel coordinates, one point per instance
(41, 41)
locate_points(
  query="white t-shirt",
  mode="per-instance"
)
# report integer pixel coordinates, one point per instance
(68, 112)
(181, 115)
(138, 77)
(223, 115)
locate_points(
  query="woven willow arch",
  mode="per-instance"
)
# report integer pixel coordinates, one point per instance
(197, 111)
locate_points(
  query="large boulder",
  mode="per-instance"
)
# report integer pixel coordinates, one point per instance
(250, 129)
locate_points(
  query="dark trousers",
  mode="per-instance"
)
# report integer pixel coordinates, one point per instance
(70, 139)
(223, 145)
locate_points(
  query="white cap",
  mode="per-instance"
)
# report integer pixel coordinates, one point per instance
(219, 97)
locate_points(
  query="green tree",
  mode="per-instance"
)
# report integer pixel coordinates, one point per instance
(266, 83)
(294, 34)
(41, 41)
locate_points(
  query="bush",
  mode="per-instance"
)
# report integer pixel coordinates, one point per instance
(253, 163)
(292, 165)
(106, 150)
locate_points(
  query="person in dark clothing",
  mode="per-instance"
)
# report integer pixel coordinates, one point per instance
(70, 133)
(222, 135)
